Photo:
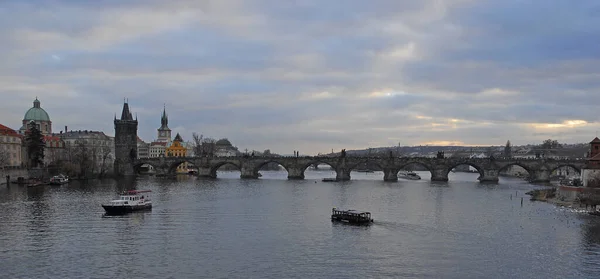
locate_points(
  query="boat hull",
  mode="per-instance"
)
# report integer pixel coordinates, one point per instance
(407, 178)
(351, 221)
(124, 209)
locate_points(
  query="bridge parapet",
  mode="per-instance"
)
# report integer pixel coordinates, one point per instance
(488, 168)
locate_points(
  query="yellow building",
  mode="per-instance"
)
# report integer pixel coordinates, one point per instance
(178, 150)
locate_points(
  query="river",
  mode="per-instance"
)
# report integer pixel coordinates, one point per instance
(275, 228)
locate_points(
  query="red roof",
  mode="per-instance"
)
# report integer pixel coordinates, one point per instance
(51, 138)
(159, 143)
(5, 131)
(595, 140)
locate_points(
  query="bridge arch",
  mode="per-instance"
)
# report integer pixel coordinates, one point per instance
(570, 165)
(181, 166)
(217, 166)
(527, 168)
(266, 162)
(138, 167)
(319, 162)
(404, 166)
(477, 167)
(354, 167)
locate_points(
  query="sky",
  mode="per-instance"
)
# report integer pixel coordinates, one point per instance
(309, 75)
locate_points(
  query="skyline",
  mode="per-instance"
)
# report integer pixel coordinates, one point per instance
(312, 76)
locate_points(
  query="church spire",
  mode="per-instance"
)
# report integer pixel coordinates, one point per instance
(126, 114)
(164, 120)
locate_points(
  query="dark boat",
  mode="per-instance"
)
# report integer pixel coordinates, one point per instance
(351, 216)
(129, 201)
(329, 180)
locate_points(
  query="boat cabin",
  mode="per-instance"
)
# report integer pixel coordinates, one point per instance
(128, 201)
(132, 197)
(351, 216)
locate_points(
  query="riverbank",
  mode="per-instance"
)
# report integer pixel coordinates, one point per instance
(578, 198)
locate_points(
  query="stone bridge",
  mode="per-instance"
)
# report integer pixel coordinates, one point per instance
(539, 169)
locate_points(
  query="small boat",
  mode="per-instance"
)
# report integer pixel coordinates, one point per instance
(409, 175)
(59, 180)
(329, 179)
(35, 183)
(351, 216)
(129, 201)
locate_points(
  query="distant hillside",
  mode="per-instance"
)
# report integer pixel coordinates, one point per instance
(567, 150)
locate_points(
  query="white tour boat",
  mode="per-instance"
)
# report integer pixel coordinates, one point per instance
(129, 201)
(409, 175)
(59, 179)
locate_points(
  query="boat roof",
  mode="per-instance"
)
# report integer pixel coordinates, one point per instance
(134, 192)
(352, 211)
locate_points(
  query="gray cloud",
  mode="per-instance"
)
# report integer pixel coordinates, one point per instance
(312, 75)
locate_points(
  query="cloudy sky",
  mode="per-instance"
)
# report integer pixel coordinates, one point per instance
(310, 75)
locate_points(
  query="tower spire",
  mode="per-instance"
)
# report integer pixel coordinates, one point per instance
(126, 114)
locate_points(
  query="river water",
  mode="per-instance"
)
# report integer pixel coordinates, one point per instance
(275, 228)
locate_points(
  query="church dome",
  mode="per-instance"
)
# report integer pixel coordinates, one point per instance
(36, 113)
(223, 142)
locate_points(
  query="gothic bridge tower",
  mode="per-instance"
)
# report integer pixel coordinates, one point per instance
(125, 142)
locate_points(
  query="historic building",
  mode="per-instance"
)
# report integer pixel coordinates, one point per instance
(143, 149)
(224, 148)
(157, 149)
(590, 174)
(39, 116)
(125, 142)
(54, 151)
(92, 150)
(164, 133)
(10, 147)
(177, 149)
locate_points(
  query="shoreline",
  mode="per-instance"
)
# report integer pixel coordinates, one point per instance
(550, 196)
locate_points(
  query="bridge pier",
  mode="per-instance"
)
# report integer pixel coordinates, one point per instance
(490, 175)
(539, 176)
(249, 172)
(295, 173)
(342, 174)
(390, 175)
(439, 174)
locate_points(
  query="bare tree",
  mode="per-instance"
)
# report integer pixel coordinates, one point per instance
(197, 141)
(550, 144)
(82, 157)
(4, 156)
(209, 147)
(105, 158)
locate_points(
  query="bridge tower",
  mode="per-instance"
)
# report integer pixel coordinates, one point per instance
(125, 142)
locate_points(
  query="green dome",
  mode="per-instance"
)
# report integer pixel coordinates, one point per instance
(36, 113)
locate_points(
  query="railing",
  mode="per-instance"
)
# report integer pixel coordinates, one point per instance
(367, 157)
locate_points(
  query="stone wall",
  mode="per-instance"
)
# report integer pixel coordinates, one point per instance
(14, 174)
(568, 193)
(590, 177)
